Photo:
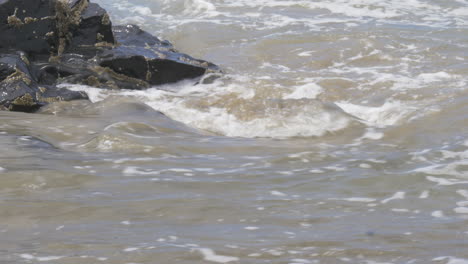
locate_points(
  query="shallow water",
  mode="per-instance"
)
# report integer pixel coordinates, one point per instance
(337, 135)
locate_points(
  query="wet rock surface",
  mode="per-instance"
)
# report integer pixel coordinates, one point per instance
(47, 42)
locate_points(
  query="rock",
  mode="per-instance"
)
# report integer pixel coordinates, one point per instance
(133, 36)
(94, 27)
(73, 3)
(144, 57)
(29, 26)
(48, 42)
(17, 85)
(20, 90)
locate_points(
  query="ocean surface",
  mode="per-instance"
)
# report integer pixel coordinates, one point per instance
(338, 134)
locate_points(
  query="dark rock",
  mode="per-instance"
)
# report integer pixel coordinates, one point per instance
(94, 27)
(17, 85)
(133, 36)
(47, 42)
(20, 90)
(9, 65)
(145, 57)
(29, 26)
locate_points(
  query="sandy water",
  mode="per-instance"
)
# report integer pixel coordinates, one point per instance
(337, 135)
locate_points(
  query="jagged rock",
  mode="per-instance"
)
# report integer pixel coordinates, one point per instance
(20, 90)
(16, 85)
(94, 27)
(146, 58)
(47, 42)
(133, 36)
(29, 26)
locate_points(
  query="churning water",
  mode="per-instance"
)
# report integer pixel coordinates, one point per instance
(337, 135)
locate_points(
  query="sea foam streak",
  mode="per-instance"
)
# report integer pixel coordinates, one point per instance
(341, 11)
(377, 78)
(236, 111)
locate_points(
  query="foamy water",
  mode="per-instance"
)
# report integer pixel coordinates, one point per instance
(280, 50)
(338, 134)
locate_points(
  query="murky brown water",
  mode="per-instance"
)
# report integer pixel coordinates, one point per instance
(339, 135)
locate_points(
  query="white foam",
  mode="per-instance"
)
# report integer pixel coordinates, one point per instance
(350, 8)
(461, 210)
(202, 8)
(289, 118)
(335, 168)
(49, 258)
(27, 256)
(278, 193)
(275, 252)
(305, 53)
(462, 11)
(397, 195)
(132, 171)
(371, 134)
(451, 260)
(443, 181)
(94, 94)
(400, 210)
(210, 255)
(438, 214)
(249, 17)
(463, 193)
(424, 194)
(463, 155)
(300, 154)
(355, 199)
(377, 262)
(316, 171)
(299, 261)
(434, 77)
(308, 90)
(204, 169)
(46, 258)
(390, 113)
(142, 10)
(179, 170)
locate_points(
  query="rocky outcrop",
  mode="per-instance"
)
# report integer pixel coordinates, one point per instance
(47, 42)
(20, 91)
